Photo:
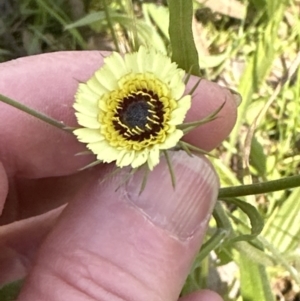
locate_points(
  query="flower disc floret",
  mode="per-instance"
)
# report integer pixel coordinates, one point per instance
(130, 108)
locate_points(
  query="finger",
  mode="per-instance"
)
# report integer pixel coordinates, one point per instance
(122, 245)
(204, 295)
(208, 98)
(19, 242)
(30, 197)
(3, 186)
(48, 83)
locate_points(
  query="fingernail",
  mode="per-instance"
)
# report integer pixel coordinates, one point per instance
(185, 209)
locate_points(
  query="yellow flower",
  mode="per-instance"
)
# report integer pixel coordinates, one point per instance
(130, 109)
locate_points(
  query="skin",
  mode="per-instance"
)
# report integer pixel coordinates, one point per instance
(107, 244)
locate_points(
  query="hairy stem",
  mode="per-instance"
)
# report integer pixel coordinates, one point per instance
(259, 188)
(33, 113)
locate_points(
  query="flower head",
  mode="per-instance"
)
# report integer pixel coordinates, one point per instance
(131, 108)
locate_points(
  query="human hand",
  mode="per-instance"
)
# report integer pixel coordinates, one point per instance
(107, 244)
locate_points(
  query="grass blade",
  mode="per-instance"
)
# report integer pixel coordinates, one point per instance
(184, 51)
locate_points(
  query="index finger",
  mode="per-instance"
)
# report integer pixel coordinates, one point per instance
(47, 83)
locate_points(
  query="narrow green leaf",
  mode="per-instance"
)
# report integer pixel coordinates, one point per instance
(281, 259)
(87, 20)
(156, 38)
(255, 218)
(160, 16)
(257, 157)
(283, 230)
(57, 13)
(184, 51)
(221, 218)
(255, 284)
(110, 24)
(211, 244)
(10, 291)
(258, 67)
(253, 253)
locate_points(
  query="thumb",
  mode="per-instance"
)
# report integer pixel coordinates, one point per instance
(122, 245)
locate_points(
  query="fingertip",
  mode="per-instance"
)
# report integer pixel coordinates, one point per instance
(207, 98)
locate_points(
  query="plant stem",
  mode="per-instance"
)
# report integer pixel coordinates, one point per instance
(259, 188)
(110, 25)
(32, 112)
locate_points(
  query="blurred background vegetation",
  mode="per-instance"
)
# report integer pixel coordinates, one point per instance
(251, 46)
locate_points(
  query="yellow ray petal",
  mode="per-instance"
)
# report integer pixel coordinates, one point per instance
(153, 158)
(177, 86)
(140, 158)
(131, 62)
(87, 99)
(88, 135)
(178, 115)
(96, 86)
(171, 140)
(115, 63)
(86, 109)
(125, 158)
(104, 151)
(87, 121)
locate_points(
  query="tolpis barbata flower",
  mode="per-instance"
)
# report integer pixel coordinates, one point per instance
(131, 109)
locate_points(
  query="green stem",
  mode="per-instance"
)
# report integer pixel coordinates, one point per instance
(32, 112)
(259, 188)
(110, 25)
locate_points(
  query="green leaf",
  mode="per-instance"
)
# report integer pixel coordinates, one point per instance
(159, 15)
(255, 218)
(212, 61)
(10, 291)
(87, 20)
(221, 218)
(211, 244)
(281, 259)
(57, 13)
(273, 7)
(147, 33)
(184, 51)
(257, 157)
(255, 284)
(258, 66)
(283, 230)
(259, 4)
(253, 253)
(156, 39)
